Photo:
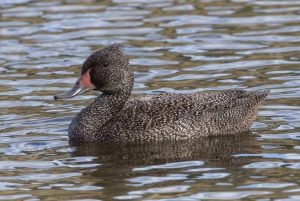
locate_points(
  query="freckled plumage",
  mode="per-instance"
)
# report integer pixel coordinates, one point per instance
(114, 116)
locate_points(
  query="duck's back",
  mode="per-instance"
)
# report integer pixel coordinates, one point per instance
(184, 116)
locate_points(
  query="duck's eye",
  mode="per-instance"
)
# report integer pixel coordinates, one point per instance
(105, 64)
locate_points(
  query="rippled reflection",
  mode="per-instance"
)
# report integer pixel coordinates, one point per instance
(174, 46)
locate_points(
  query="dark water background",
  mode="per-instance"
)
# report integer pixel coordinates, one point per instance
(174, 46)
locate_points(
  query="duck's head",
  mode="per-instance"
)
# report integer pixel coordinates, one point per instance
(106, 70)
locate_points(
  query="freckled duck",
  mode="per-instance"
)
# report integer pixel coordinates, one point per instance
(116, 117)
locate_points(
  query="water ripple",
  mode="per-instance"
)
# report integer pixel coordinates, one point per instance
(168, 189)
(219, 195)
(268, 185)
(183, 164)
(140, 181)
(39, 177)
(177, 46)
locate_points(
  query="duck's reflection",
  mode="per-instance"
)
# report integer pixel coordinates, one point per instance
(118, 173)
(216, 151)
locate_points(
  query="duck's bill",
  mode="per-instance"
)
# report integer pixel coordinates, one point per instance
(76, 90)
(82, 85)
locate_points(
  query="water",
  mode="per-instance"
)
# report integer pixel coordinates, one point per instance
(174, 46)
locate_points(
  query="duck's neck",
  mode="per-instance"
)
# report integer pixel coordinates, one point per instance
(86, 125)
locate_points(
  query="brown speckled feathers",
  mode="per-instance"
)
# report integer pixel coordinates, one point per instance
(184, 116)
(114, 116)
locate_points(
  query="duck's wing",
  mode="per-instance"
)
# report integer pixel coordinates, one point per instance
(150, 111)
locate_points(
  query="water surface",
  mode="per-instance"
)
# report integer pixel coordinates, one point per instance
(174, 46)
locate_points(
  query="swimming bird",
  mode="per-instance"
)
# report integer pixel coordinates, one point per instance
(115, 116)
